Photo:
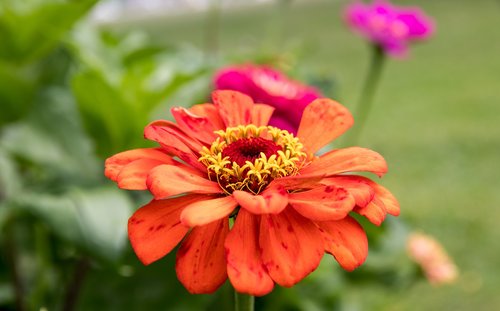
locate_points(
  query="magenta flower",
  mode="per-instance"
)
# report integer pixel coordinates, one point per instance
(266, 85)
(390, 27)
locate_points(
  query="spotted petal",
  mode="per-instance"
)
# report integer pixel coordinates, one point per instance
(244, 264)
(134, 177)
(357, 186)
(199, 127)
(235, 108)
(323, 120)
(291, 246)
(383, 203)
(203, 212)
(323, 203)
(353, 159)
(261, 114)
(155, 229)
(168, 180)
(211, 113)
(346, 240)
(271, 201)
(175, 141)
(201, 263)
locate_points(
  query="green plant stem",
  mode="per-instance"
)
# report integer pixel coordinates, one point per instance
(44, 267)
(13, 260)
(243, 302)
(367, 94)
(212, 30)
(82, 267)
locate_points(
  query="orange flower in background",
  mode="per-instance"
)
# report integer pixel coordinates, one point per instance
(428, 253)
(222, 162)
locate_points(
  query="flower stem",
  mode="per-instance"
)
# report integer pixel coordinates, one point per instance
(13, 260)
(212, 31)
(82, 267)
(367, 94)
(243, 302)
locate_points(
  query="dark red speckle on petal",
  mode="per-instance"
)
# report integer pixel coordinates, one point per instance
(136, 221)
(159, 227)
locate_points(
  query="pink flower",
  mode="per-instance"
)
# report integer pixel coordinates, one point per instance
(390, 27)
(266, 85)
(437, 266)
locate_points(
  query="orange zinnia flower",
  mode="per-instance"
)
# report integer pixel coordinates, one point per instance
(221, 162)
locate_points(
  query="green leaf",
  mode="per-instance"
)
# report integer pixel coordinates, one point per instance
(31, 29)
(120, 81)
(103, 217)
(52, 138)
(95, 220)
(111, 121)
(9, 178)
(17, 91)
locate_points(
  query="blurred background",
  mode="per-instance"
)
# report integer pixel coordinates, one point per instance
(80, 79)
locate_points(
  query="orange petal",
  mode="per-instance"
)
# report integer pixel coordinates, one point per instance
(346, 160)
(115, 164)
(324, 116)
(204, 212)
(133, 175)
(390, 202)
(196, 126)
(261, 114)
(155, 229)
(373, 201)
(167, 180)
(356, 185)
(296, 182)
(346, 240)
(244, 264)
(323, 203)
(270, 201)
(201, 263)
(210, 112)
(235, 108)
(375, 211)
(175, 142)
(291, 246)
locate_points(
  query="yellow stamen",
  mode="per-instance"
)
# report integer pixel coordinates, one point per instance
(253, 176)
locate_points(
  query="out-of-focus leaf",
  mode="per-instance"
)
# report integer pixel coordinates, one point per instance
(95, 220)
(30, 29)
(6, 293)
(112, 122)
(52, 138)
(17, 90)
(120, 82)
(9, 178)
(152, 287)
(103, 217)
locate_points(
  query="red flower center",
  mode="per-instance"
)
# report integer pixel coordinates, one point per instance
(249, 149)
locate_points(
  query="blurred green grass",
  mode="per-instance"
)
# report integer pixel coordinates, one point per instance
(435, 119)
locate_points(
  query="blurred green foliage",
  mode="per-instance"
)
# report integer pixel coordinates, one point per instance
(72, 95)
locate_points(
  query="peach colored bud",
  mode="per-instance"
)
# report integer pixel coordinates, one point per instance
(438, 267)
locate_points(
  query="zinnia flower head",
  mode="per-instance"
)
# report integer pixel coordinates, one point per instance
(390, 27)
(266, 85)
(222, 163)
(437, 266)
